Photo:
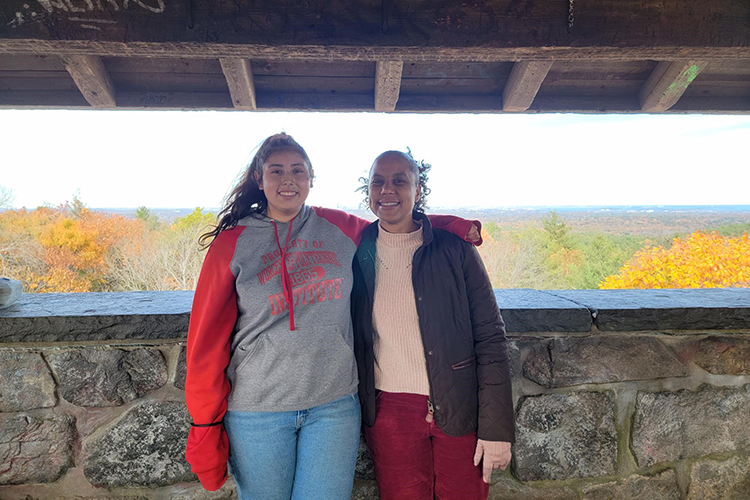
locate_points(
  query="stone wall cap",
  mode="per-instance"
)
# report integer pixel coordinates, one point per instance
(150, 315)
(665, 309)
(35, 305)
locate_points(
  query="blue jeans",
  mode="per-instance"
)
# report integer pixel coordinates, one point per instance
(303, 455)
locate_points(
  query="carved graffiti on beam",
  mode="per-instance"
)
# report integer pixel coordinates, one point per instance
(72, 9)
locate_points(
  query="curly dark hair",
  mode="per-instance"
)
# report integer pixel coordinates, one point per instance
(419, 168)
(247, 198)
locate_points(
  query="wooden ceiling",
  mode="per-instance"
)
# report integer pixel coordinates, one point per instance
(590, 56)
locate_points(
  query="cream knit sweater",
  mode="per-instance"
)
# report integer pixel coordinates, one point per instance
(400, 364)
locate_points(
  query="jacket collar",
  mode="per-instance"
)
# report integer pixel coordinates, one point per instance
(370, 234)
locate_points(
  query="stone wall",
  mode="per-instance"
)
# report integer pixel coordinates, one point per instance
(618, 394)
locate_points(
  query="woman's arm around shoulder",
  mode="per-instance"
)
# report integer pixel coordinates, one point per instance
(212, 321)
(352, 226)
(493, 374)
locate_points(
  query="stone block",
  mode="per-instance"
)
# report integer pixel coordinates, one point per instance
(194, 491)
(670, 426)
(514, 355)
(10, 291)
(181, 370)
(35, 448)
(597, 360)
(365, 468)
(720, 355)
(714, 480)
(541, 311)
(508, 489)
(55, 317)
(364, 490)
(26, 382)
(562, 436)
(98, 377)
(145, 448)
(695, 309)
(658, 487)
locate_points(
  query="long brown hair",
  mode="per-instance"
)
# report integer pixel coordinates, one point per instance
(247, 198)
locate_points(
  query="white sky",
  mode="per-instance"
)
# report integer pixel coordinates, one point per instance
(160, 159)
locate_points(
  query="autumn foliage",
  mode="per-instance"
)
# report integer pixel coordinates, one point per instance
(700, 260)
(73, 249)
(70, 248)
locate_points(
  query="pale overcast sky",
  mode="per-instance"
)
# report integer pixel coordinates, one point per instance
(162, 159)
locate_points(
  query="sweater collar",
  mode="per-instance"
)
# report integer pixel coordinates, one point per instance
(370, 233)
(400, 240)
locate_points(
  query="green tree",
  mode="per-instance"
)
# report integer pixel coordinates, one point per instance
(556, 228)
(76, 207)
(150, 220)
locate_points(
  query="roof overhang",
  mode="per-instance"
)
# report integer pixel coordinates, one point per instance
(591, 56)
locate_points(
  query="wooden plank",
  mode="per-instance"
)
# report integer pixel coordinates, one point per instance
(729, 88)
(239, 77)
(523, 84)
(711, 105)
(174, 100)
(592, 87)
(667, 83)
(169, 82)
(93, 80)
(26, 99)
(610, 70)
(462, 70)
(344, 69)
(451, 86)
(313, 85)
(331, 53)
(387, 84)
(163, 65)
(315, 102)
(618, 25)
(47, 80)
(407, 104)
(30, 63)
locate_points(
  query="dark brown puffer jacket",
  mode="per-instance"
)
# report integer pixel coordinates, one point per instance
(463, 334)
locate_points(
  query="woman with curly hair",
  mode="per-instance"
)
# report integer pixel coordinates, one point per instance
(434, 382)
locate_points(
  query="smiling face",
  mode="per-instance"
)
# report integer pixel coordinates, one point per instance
(393, 191)
(286, 182)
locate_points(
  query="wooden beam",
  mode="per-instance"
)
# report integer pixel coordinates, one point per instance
(469, 31)
(667, 83)
(92, 79)
(332, 53)
(364, 102)
(523, 84)
(239, 75)
(387, 84)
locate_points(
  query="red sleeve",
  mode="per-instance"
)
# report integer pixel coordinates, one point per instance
(212, 321)
(353, 226)
(456, 225)
(350, 225)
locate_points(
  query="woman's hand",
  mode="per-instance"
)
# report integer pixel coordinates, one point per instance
(496, 456)
(473, 235)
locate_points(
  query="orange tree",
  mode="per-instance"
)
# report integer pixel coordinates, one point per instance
(62, 249)
(701, 260)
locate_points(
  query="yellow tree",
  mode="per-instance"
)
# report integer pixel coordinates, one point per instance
(701, 260)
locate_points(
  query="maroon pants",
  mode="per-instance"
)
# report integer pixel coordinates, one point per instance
(415, 460)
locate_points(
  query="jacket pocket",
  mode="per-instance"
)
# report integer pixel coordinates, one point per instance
(464, 364)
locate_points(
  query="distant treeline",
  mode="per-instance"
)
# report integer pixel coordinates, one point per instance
(547, 254)
(71, 248)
